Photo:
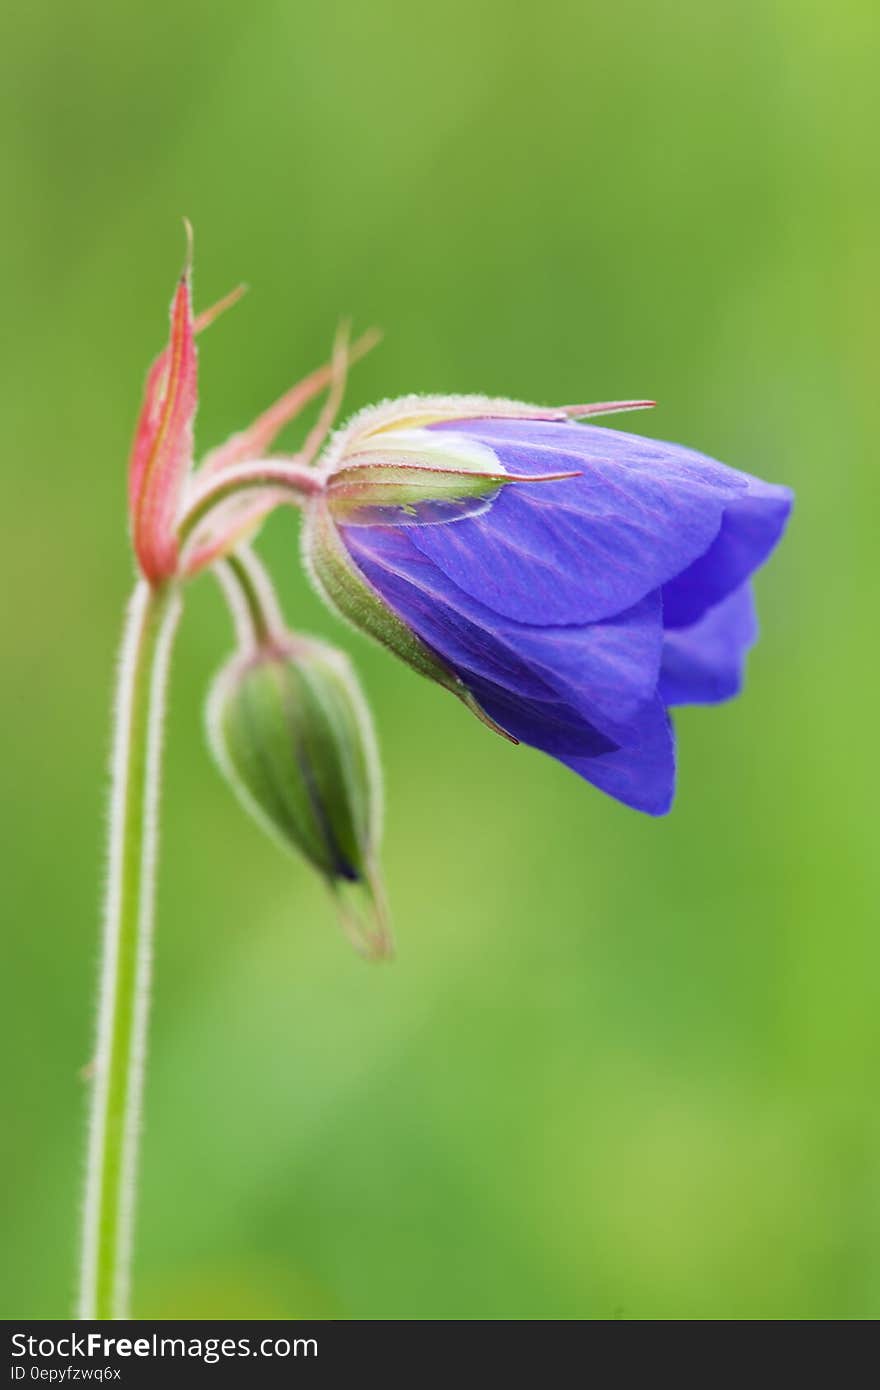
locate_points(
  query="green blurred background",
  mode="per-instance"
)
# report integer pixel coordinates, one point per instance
(621, 1068)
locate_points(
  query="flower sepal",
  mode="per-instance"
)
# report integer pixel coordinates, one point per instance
(414, 477)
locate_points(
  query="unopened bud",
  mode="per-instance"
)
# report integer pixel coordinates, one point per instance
(292, 733)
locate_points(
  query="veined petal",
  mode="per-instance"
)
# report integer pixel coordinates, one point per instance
(588, 547)
(751, 527)
(704, 663)
(606, 669)
(553, 688)
(163, 446)
(556, 728)
(640, 775)
(613, 665)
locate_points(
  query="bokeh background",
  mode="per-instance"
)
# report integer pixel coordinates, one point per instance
(621, 1068)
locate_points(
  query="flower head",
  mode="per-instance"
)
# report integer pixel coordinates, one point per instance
(568, 582)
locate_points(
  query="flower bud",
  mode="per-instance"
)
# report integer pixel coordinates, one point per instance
(290, 730)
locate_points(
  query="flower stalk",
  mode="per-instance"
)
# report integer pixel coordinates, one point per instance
(289, 480)
(251, 599)
(118, 1072)
(292, 736)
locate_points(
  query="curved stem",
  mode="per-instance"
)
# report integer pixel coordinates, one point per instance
(251, 598)
(127, 949)
(217, 487)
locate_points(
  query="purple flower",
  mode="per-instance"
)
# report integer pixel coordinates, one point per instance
(572, 608)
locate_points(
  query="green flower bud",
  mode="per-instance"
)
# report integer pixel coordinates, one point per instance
(291, 731)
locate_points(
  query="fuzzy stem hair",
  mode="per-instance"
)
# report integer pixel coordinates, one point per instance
(118, 1069)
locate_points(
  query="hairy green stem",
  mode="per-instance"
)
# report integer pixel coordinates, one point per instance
(118, 1067)
(251, 598)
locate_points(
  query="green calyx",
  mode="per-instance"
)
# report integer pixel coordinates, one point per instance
(367, 494)
(413, 476)
(351, 594)
(291, 732)
(346, 589)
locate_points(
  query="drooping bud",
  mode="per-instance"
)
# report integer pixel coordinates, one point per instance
(291, 731)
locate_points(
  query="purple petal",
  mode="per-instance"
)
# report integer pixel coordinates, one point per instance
(612, 665)
(549, 725)
(753, 524)
(607, 670)
(704, 664)
(641, 775)
(581, 549)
